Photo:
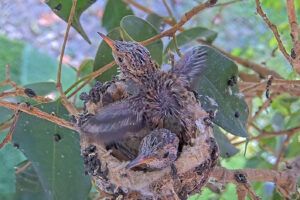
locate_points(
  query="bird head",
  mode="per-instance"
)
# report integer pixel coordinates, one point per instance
(158, 150)
(134, 59)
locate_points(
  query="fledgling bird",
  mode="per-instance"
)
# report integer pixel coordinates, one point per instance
(164, 107)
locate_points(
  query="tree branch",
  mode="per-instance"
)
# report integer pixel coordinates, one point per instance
(274, 30)
(38, 113)
(286, 181)
(70, 107)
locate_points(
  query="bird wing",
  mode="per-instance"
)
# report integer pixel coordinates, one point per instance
(191, 66)
(113, 123)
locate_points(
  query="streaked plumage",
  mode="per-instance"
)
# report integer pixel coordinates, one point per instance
(164, 100)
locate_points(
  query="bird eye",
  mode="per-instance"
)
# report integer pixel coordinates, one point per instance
(120, 59)
(166, 155)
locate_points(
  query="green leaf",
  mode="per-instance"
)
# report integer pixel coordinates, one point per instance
(104, 56)
(9, 157)
(42, 88)
(63, 8)
(86, 67)
(58, 164)
(5, 114)
(216, 95)
(139, 30)
(28, 65)
(28, 185)
(226, 148)
(156, 21)
(10, 53)
(114, 11)
(190, 35)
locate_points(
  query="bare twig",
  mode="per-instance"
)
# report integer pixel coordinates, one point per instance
(292, 20)
(176, 46)
(227, 3)
(23, 167)
(38, 113)
(8, 137)
(93, 76)
(262, 108)
(263, 134)
(21, 92)
(70, 107)
(186, 17)
(8, 79)
(274, 30)
(169, 11)
(4, 126)
(282, 151)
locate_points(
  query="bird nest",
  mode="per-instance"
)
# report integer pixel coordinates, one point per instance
(192, 168)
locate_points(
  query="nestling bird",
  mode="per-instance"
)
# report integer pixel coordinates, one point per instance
(149, 125)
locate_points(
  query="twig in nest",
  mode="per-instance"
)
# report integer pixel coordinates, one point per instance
(70, 107)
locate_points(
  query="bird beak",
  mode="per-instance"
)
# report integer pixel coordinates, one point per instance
(109, 41)
(138, 161)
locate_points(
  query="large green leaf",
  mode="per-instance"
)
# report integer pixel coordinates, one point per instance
(139, 30)
(28, 65)
(226, 148)
(114, 11)
(28, 185)
(104, 56)
(190, 35)
(217, 95)
(63, 7)
(156, 21)
(9, 157)
(58, 163)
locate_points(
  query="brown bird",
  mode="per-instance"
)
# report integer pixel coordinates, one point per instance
(152, 122)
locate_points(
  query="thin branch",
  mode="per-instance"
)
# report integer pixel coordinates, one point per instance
(70, 107)
(93, 76)
(38, 113)
(186, 17)
(227, 3)
(262, 108)
(23, 167)
(176, 46)
(274, 30)
(21, 92)
(282, 151)
(292, 20)
(8, 79)
(8, 137)
(169, 11)
(291, 132)
(4, 126)
(286, 181)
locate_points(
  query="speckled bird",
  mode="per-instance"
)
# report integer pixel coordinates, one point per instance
(151, 126)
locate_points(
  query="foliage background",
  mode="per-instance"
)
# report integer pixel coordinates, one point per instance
(31, 42)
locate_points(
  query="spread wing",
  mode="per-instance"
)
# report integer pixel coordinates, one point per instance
(191, 66)
(113, 123)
